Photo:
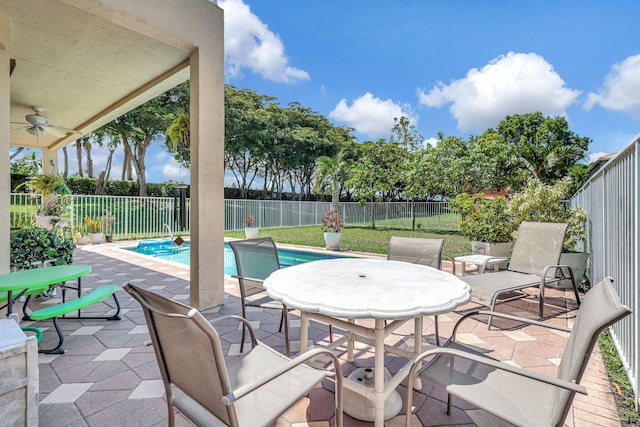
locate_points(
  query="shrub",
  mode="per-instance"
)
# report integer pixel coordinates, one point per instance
(484, 220)
(30, 245)
(544, 203)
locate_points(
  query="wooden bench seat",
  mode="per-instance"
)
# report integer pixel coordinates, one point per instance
(55, 311)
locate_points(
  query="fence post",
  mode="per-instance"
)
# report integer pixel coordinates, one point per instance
(126, 217)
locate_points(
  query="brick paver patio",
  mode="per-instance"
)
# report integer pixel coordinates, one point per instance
(107, 378)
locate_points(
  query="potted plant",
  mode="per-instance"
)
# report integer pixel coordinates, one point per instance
(108, 221)
(48, 185)
(332, 225)
(94, 228)
(486, 222)
(545, 203)
(82, 234)
(48, 215)
(250, 230)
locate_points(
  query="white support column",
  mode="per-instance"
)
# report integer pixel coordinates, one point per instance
(207, 175)
(5, 176)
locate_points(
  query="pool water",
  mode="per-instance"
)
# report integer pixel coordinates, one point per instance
(167, 250)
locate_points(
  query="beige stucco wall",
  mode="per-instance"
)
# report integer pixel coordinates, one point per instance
(5, 177)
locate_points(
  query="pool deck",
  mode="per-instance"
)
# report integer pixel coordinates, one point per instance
(107, 378)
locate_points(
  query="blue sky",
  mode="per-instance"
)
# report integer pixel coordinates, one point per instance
(455, 66)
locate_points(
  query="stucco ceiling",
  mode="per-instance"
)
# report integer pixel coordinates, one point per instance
(84, 67)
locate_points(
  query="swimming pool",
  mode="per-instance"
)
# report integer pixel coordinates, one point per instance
(165, 249)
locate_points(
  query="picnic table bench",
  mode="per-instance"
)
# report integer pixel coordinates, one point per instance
(56, 311)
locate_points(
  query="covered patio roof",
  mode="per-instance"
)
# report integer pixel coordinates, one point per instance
(86, 62)
(82, 69)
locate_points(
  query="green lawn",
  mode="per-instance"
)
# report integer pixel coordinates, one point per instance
(362, 239)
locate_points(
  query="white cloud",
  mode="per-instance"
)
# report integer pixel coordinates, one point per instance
(620, 89)
(517, 83)
(173, 171)
(371, 116)
(248, 43)
(595, 156)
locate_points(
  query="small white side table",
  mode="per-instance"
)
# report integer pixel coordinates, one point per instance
(483, 261)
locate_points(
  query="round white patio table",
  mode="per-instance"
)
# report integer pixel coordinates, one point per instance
(389, 292)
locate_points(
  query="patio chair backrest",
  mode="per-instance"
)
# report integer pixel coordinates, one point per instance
(188, 351)
(416, 250)
(600, 308)
(538, 245)
(255, 258)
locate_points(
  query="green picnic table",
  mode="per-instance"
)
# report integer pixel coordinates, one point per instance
(25, 282)
(28, 282)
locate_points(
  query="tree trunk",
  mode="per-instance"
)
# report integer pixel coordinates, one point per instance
(373, 213)
(87, 148)
(413, 214)
(79, 156)
(335, 200)
(66, 162)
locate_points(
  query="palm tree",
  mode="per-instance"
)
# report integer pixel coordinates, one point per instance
(179, 132)
(331, 172)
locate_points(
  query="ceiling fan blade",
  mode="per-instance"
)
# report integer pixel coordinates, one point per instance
(21, 123)
(19, 129)
(60, 131)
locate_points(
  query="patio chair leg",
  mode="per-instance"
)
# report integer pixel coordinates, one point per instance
(330, 333)
(448, 403)
(437, 332)
(575, 286)
(287, 346)
(541, 307)
(493, 307)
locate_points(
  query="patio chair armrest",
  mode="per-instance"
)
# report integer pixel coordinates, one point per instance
(505, 316)
(453, 262)
(576, 388)
(252, 279)
(252, 333)
(246, 389)
(543, 276)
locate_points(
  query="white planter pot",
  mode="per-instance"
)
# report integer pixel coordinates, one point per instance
(493, 249)
(251, 232)
(578, 263)
(45, 221)
(95, 238)
(332, 240)
(81, 240)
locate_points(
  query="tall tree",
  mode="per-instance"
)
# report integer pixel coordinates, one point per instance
(409, 139)
(543, 145)
(330, 173)
(375, 173)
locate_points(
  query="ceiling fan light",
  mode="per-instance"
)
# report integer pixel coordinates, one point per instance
(37, 119)
(32, 130)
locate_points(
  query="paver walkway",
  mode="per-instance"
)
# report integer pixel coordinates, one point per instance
(107, 378)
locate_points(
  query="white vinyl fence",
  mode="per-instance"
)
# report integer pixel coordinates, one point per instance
(143, 217)
(611, 199)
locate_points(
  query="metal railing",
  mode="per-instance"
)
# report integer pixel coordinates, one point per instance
(611, 199)
(23, 209)
(274, 213)
(142, 217)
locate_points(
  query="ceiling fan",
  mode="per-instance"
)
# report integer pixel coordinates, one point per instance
(37, 123)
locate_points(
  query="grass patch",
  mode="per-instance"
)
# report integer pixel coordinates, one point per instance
(619, 381)
(362, 239)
